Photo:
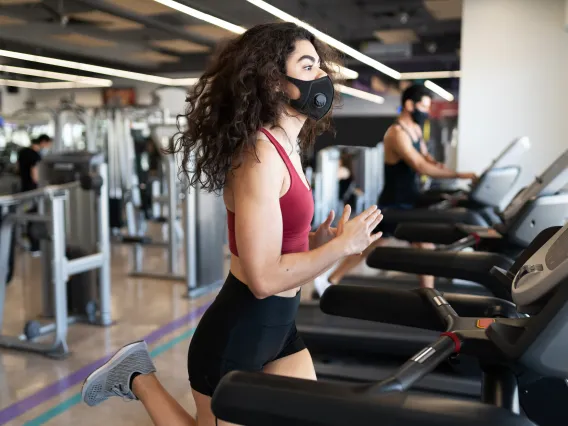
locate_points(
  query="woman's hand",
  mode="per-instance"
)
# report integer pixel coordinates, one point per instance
(324, 233)
(356, 234)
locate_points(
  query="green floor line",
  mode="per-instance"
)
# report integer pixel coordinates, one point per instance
(76, 399)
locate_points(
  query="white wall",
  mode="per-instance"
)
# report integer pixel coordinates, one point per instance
(11, 102)
(514, 62)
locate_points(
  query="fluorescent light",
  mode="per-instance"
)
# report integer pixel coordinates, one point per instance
(203, 16)
(45, 86)
(359, 94)
(190, 81)
(439, 91)
(429, 75)
(164, 81)
(57, 75)
(326, 39)
(344, 73)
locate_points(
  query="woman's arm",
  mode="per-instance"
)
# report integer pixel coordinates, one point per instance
(258, 228)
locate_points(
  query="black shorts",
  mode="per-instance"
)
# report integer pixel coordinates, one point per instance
(241, 332)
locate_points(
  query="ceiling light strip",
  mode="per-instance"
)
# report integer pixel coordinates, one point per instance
(439, 91)
(429, 75)
(359, 94)
(326, 39)
(165, 81)
(45, 86)
(202, 16)
(87, 67)
(56, 75)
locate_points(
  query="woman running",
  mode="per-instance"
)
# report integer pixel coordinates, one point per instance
(262, 101)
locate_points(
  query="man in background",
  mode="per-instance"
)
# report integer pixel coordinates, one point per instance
(406, 158)
(28, 169)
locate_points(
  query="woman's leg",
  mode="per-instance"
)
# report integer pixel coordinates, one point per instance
(299, 365)
(162, 408)
(129, 374)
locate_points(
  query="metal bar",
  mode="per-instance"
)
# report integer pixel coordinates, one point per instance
(85, 263)
(172, 217)
(5, 240)
(104, 247)
(46, 191)
(59, 276)
(190, 237)
(147, 22)
(32, 217)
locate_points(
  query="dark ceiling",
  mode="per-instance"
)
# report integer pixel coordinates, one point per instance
(145, 36)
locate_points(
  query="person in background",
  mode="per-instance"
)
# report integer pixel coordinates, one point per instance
(28, 161)
(406, 158)
(28, 169)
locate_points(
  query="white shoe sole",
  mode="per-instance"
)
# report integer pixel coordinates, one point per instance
(116, 358)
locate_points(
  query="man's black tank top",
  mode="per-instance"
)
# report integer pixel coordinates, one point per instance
(402, 183)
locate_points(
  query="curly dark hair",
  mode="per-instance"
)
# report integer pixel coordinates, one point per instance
(236, 95)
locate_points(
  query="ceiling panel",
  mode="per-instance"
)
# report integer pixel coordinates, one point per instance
(180, 46)
(153, 56)
(444, 9)
(210, 31)
(107, 21)
(83, 40)
(142, 7)
(397, 36)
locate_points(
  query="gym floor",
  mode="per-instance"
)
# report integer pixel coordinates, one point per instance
(35, 390)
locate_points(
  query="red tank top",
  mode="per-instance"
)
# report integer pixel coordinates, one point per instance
(296, 205)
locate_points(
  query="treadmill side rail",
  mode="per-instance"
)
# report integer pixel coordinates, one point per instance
(258, 399)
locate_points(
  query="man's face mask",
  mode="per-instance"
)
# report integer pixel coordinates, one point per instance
(316, 96)
(418, 116)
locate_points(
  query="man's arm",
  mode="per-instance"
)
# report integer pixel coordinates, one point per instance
(402, 145)
(428, 157)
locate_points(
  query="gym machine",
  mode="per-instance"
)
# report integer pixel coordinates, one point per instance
(541, 204)
(507, 349)
(72, 209)
(369, 166)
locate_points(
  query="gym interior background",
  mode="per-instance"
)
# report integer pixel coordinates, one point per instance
(109, 75)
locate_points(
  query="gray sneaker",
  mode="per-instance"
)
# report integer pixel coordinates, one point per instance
(113, 378)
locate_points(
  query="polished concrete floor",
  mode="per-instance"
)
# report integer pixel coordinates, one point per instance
(35, 390)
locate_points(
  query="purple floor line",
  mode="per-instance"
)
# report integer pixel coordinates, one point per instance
(60, 386)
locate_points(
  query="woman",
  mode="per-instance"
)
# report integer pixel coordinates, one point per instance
(265, 91)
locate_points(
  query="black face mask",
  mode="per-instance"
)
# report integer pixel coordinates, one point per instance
(316, 97)
(419, 117)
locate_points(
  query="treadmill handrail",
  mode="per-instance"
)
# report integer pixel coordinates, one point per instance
(258, 399)
(474, 266)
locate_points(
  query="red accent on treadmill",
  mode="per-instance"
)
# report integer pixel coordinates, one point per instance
(477, 238)
(455, 338)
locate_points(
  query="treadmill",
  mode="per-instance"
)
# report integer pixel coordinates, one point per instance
(508, 349)
(330, 339)
(493, 191)
(542, 204)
